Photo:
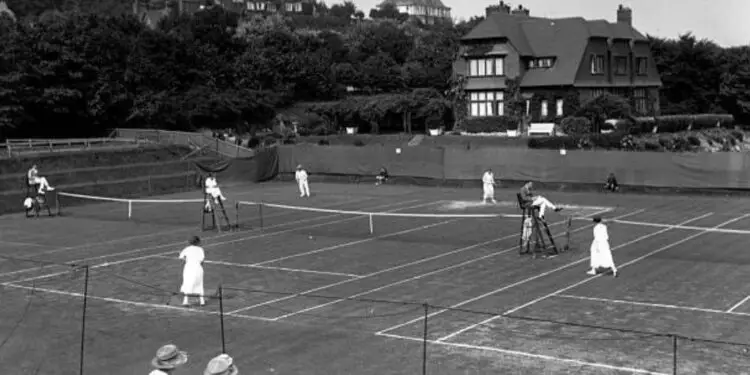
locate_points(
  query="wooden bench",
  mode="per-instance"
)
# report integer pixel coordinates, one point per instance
(539, 128)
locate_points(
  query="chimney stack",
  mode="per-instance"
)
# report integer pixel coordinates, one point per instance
(625, 15)
(500, 8)
(520, 11)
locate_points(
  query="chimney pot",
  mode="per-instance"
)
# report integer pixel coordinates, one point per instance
(624, 15)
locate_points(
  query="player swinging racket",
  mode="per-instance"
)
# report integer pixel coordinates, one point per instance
(601, 253)
(301, 177)
(488, 185)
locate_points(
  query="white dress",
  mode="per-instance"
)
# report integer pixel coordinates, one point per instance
(601, 254)
(192, 274)
(488, 182)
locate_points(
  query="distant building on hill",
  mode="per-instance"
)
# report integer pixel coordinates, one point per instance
(153, 11)
(553, 59)
(427, 11)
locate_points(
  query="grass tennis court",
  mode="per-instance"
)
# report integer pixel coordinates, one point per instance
(317, 293)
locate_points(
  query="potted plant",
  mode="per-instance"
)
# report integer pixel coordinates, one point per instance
(434, 125)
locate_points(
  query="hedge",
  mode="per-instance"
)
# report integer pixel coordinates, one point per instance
(678, 123)
(490, 124)
(576, 125)
(587, 141)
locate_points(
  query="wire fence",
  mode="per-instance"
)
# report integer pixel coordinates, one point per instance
(97, 309)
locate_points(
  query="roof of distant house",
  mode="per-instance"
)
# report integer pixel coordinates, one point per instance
(425, 3)
(563, 38)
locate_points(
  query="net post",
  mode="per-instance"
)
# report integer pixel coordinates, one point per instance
(424, 339)
(237, 214)
(221, 318)
(372, 229)
(83, 316)
(674, 354)
(260, 214)
(130, 209)
(57, 204)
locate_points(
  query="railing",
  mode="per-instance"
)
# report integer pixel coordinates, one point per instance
(16, 147)
(198, 140)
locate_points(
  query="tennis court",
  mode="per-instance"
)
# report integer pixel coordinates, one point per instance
(346, 288)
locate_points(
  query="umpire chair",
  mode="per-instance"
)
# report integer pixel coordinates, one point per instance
(540, 247)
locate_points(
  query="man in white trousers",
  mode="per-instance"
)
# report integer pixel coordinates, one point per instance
(301, 177)
(601, 253)
(35, 179)
(537, 200)
(488, 186)
(212, 187)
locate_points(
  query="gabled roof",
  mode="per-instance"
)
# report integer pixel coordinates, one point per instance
(425, 3)
(565, 39)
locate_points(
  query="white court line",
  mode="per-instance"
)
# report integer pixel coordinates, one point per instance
(301, 294)
(738, 304)
(438, 312)
(489, 320)
(161, 233)
(242, 265)
(17, 243)
(126, 302)
(574, 362)
(240, 239)
(649, 304)
(686, 227)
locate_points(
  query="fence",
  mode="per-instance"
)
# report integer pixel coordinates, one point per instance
(199, 140)
(18, 147)
(75, 307)
(648, 169)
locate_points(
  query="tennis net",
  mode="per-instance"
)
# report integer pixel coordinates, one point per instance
(155, 211)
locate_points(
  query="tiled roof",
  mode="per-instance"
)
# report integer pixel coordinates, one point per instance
(425, 3)
(563, 38)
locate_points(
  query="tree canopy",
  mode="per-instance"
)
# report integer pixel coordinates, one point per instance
(79, 68)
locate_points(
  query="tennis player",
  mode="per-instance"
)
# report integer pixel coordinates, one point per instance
(35, 179)
(301, 177)
(192, 273)
(212, 187)
(537, 201)
(601, 253)
(488, 185)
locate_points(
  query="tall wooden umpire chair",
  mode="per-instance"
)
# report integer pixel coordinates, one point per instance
(210, 206)
(540, 247)
(38, 201)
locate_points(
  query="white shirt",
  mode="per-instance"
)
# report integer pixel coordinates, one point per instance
(157, 372)
(211, 183)
(301, 175)
(600, 232)
(488, 178)
(33, 173)
(193, 255)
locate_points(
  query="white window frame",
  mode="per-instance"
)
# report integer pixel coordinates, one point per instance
(486, 103)
(544, 109)
(597, 64)
(559, 107)
(486, 67)
(638, 70)
(640, 99)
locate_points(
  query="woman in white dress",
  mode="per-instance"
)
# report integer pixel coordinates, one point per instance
(601, 253)
(192, 273)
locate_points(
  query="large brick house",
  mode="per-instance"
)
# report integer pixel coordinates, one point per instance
(555, 59)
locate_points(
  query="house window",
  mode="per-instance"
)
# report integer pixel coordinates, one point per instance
(621, 65)
(597, 64)
(293, 7)
(559, 107)
(640, 99)
(540, 63)
(641, 66)
(545, 110)
(490, 67)
(486, 103)
(257, 7)
(595, 93)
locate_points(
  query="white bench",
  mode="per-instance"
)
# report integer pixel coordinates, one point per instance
(541, 128)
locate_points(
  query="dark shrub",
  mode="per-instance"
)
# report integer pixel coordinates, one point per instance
(490, 124)
(605, 107)
(674, 123)
(323, 142)
(612, 141)
(359, 143)
(704, 121)
(642, 125)
(693, 140)
(253, 142)
(576, 125)
(554, 143)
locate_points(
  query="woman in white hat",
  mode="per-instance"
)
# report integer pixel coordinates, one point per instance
(221, 365)
(601, 253)
(168, 358)
(192, 273)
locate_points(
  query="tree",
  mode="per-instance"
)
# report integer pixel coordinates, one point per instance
(388, 11)
(734, 91)
(603, 108)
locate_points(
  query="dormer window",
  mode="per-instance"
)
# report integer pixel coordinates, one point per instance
(542, 63)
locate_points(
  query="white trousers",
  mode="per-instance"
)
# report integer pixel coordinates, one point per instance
(215, 192)
(489, 192)
(543, 204)
(41, 181)
(304, 188)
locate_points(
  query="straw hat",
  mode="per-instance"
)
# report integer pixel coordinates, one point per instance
(169, 357)
(299, 166)
(221, 365)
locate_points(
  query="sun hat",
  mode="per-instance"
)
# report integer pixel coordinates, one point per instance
(194, 240)
(169, 357)
(222, 364)
(299, 166)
